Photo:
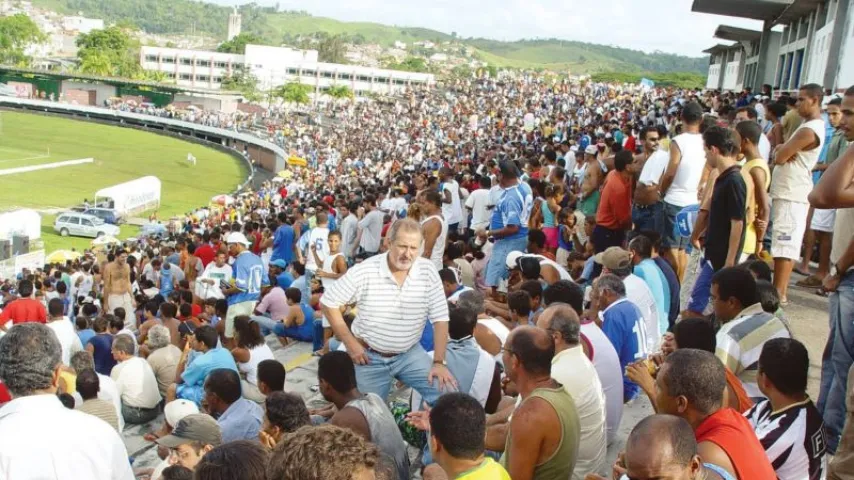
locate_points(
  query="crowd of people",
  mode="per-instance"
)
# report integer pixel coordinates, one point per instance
(510, 254)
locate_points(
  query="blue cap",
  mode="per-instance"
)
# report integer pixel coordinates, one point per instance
(279, 263)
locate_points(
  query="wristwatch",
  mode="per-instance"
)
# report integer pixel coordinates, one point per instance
(440, 362)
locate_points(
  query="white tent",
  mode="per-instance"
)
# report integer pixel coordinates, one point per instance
(21, 222)
(131, 197)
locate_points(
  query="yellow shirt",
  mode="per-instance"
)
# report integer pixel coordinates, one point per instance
(488, 470)
(752, 204)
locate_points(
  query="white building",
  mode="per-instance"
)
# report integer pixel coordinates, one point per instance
(815, 45)
(439, 57)
(274, 66)
(400, 45)
(234, 24)
(82, 24)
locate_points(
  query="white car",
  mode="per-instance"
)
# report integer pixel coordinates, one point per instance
(83, 225)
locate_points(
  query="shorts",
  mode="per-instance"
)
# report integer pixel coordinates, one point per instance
(235, 310)
(670, 236)
(496, 269)
(823, 220)
(790, 223)
(551, 237)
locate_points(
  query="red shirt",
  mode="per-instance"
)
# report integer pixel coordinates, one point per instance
(615, 205)
(24, 310)
(729, 430)
(4, 394)
(206, 254)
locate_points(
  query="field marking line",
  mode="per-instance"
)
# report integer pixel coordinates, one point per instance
(297, 362)
(46, 166)
(40, 157)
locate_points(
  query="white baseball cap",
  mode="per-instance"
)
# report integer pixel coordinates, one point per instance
(236, 237)
(512, 257)
(175, 410)
(591, 150)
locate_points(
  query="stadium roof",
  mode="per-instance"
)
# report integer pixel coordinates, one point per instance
(718, 48)
(736, 34)
(778, 12)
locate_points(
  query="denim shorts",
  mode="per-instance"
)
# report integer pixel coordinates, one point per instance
(670, 237)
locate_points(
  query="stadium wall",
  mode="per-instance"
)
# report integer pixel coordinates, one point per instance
(257, 153)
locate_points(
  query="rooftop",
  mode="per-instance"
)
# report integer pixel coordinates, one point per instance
(736, 34)
(718, 48)
(778, 12)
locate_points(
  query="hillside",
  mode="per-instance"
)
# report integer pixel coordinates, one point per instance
(185, 16)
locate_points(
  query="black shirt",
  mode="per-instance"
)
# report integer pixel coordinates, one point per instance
(729, 202)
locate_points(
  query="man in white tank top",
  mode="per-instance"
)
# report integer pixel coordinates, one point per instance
(452, 208)
(433, 227)
(791, 183)
(680, 184)
(317, 241)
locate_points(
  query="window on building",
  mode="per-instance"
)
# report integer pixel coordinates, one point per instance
(308, 73)
(327, 74)
(399, 81)
(203, 63)
(363, 78)
(217, 79)
(185, 76)
(220, 65)
(168, 59)
(170, 75)
(202, 78)
(186, 61)
(293, 71)
(151, 58)
(345, 76)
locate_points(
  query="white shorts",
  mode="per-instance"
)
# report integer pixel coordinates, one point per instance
(823, 220)
(789, 222)
(235, 310)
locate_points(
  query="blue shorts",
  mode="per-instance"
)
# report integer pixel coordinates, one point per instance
(496, 269)
(702, 290)
(670, 236)
(193, 393)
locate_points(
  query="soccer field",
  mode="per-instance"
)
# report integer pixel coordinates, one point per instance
(119, 154)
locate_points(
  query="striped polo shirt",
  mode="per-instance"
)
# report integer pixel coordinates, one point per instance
(740, 342)
(390, 317)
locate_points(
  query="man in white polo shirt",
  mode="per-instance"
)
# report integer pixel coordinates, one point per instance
(396, 293)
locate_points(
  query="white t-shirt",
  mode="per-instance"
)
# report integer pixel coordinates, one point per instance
(683, 190)
(764, 147)
(477, 202)
(317, 237)
(68, 339)
(654, 168)
(136, 383)
(218, 274)
(792, 181)
(452, 212)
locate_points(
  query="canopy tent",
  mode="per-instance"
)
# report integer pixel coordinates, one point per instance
(131, 197)
(62, 256)
(106, 240)
(297, 161)
(21, 222)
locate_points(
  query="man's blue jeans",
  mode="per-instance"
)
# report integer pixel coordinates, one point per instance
(648, 218)
(836, 361)
(410, 367)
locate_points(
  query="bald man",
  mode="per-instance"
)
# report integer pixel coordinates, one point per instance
(663, 446)
(542, 437)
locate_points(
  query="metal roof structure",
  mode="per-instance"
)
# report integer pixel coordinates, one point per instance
(718, 48)
(755, 9)
(736, 34)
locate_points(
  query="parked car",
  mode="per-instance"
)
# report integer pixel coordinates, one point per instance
(83, 225)
(106, 214)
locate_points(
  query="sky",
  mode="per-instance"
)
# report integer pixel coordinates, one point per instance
(666, 25)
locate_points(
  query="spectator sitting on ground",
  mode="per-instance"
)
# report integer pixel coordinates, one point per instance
(136, 383)
(87, 387)
(163, 357)
(691, 385)
(365, 414)
(271, 377)
(787, 423)
(240, 459)
(326, 452)
(283, 413)
(251, 350)
(238, 417)
(191, 439)
(697, 333)
(745, 325)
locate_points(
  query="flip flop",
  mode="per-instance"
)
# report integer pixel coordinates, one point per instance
(821, 293)
(811, 281)
(801, 272)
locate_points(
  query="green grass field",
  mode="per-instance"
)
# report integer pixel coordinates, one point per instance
(120, 154)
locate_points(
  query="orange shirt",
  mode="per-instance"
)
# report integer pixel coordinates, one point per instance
(615, 204)
(744, 402)
(729, 430)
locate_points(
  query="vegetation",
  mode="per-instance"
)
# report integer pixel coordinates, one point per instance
(243, 81)
(411, 64)
(238, 43)
(340, 92)
(16, 33)
(328, 36)
(109, 52)
(25, 136)
(678, 80)
(294, 92)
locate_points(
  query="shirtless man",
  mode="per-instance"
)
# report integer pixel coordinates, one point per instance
(117, 287)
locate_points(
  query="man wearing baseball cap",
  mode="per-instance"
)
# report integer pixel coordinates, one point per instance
(249, 277)
(193, 437)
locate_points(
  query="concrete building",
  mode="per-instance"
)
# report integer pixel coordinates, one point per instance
(82, 24)
(815, 46)
(273, 67)
(234, 24)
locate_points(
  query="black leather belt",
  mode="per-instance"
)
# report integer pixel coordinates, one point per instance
(382, 354)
